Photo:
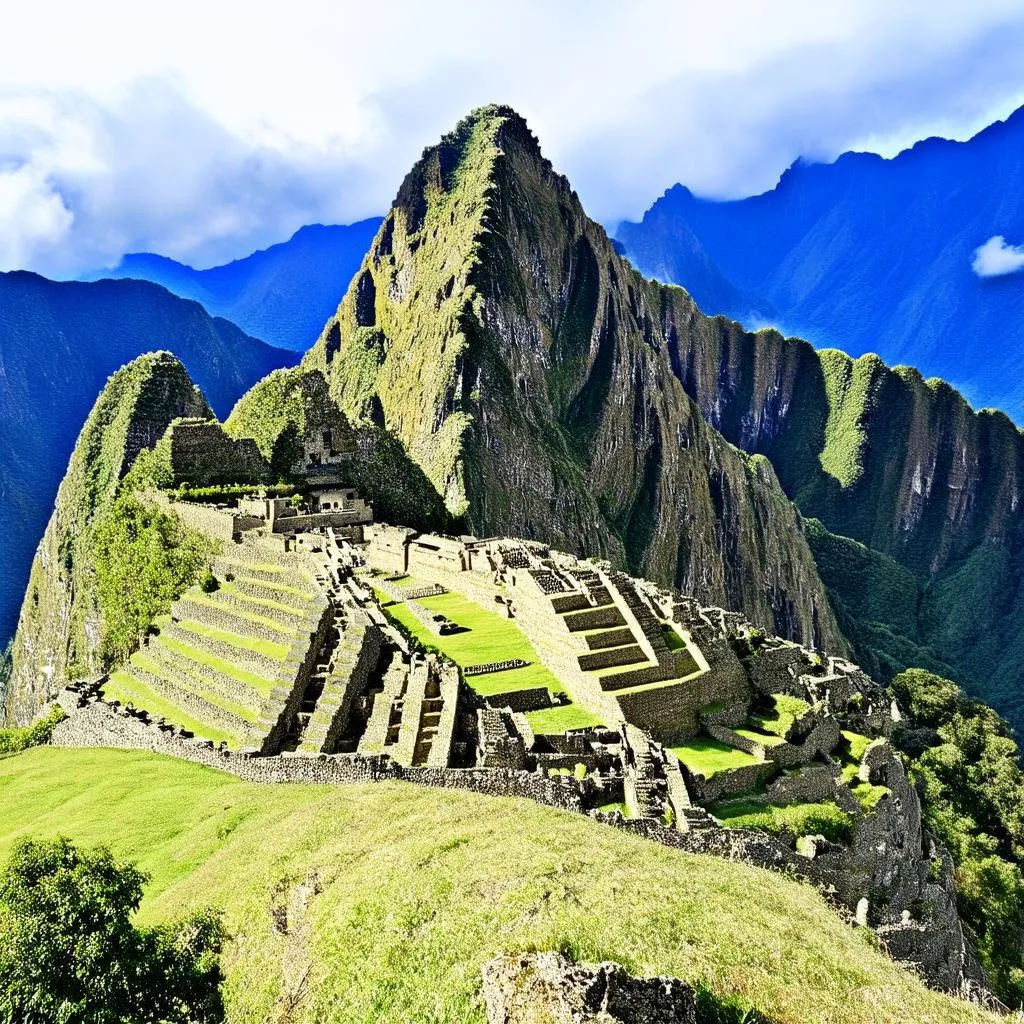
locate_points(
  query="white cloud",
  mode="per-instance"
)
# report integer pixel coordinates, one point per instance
(202, 130)
(996, 257)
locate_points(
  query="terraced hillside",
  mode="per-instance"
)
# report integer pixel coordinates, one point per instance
(213, 664)
(402, 936)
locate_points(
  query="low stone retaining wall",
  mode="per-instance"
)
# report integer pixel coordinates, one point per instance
(98, 724)
(595, 618)
(533, 699)
(727, 783)
(809, 785)
(438, 624)
(231, 621)
(494, 666)
(612, 657)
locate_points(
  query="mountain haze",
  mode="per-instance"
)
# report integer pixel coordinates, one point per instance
(868, 255)
(282, 294)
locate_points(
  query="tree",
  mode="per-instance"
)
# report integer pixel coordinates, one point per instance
(69, 953)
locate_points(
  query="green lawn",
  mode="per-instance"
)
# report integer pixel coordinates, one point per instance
(275, 651)
(706, 756)
(855, 746)
(487, 636)
(674, 641)
(411, 890)
(551, 721)
(825, 819)
(785, 710)
(766, 739)
(128, 690)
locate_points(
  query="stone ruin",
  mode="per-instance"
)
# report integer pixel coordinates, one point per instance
(351, 695)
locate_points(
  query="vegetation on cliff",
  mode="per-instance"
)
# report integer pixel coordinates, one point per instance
(325, 927)
(289, 404)
(106, 563)
(967, 768)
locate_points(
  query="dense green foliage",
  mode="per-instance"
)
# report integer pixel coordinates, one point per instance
(395, 895)
(825, 819)
(144, 559)
(878, 604)
(69, 953)
(13, 741)
(967, 767)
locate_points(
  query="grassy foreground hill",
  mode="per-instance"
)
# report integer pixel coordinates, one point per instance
(381, 902)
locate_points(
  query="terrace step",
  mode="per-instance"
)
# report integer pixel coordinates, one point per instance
(610, 638)
(611, 657)
(287, 617)
(182, 695)
(216, 612)
(211, 680)
(243, 657)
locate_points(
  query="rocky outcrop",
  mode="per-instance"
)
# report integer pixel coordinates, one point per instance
(528, 369)
(546, 987)
(58, 629)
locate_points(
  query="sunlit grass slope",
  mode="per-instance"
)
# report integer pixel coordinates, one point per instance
(409, 890)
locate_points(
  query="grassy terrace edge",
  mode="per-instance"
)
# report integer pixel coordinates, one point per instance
(465, 877)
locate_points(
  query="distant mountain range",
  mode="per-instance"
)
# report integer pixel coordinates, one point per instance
(284, 294)
(869, 255)
(59, 342)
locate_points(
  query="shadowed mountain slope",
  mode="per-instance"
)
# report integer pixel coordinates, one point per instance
(59, 342)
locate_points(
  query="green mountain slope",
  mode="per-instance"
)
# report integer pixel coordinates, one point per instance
(382, 902)
(60, 629)
(530, 372)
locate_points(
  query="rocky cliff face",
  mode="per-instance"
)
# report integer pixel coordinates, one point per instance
(902, 465)
(531, 372)
(58, 628)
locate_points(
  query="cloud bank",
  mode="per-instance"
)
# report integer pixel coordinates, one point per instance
(996, 258)
(203, 131)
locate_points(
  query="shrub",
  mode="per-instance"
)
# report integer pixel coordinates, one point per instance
(13, 741)
(69, 952)
(208, 584)
(972, 790)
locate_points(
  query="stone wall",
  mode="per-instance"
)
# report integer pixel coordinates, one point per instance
(202, 454)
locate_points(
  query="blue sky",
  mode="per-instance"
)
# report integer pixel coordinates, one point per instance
(203, 129)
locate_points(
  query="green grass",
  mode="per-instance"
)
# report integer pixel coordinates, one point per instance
(869, 794)
(825, 819)
(193, 682)
(612, 807)
(551, 721)
(417, 888)
(488, 636)
(674, 641)
(766, 739)
(856, 745)
(128, 690)
(258, 683)
(277, 652)
(785, 710)
(706, 756)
